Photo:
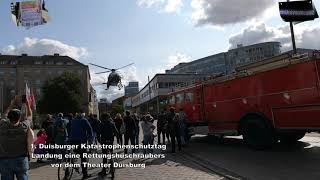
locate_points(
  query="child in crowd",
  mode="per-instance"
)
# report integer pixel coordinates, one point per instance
(41, 139)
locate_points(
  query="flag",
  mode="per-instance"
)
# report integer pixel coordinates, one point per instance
(33, 99)
(30, 97)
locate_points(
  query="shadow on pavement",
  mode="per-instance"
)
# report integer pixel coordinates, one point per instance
(283, 161)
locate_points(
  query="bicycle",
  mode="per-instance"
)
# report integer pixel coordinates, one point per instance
(67, 166)
(109, 169)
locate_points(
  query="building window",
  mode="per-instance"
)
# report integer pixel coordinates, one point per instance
(38, 91)
(13, 62)
(3, 62)
(38, 82)
(49, 62)
(38, 62)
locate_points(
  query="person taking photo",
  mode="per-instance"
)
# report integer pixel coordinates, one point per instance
(16, 138)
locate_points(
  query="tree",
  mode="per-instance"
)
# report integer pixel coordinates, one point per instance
(61, 94)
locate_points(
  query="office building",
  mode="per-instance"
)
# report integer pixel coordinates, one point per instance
(132, 89)
(226, 62)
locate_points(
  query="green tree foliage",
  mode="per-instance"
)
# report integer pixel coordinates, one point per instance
(61, 94)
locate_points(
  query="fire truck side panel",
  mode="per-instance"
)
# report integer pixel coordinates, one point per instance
(287, 96)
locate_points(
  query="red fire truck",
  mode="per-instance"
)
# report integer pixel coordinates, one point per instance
(268, 101)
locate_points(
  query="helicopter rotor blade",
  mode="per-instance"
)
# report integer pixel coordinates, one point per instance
(125, 66)
(102, 72)
(99, 66)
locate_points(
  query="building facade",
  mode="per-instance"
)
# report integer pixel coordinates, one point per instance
(226, 62)
(243, 55)
(16, 71)
(93, 102)
(1, 98)
(132, 89)
(104, 106)
(214, 64)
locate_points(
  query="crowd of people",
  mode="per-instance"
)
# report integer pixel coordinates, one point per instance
(77, 129)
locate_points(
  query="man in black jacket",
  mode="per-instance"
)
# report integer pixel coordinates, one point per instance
(161, 123)
(131, 130)
(105, 135)
(173, 124)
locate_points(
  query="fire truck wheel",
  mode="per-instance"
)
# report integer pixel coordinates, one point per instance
(291, 137)
(257, 133)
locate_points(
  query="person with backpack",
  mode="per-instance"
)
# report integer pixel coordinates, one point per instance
(174, 130)
(60, 130)
(105, 135)
(81, 133)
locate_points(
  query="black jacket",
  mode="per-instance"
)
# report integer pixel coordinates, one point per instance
(131, 128)
(106, 131)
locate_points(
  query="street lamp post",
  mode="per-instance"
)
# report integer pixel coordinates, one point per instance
(292, 36)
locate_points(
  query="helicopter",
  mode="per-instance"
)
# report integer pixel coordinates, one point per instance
(114, 78)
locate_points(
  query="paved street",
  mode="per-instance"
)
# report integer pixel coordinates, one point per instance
(174, 166)
(208, 158)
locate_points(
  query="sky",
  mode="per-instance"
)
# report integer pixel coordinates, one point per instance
(153, 34)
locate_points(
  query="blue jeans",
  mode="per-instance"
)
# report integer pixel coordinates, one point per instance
(148, 139)
(14, 167)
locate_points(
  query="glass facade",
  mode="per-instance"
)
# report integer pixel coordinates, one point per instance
(225, 63)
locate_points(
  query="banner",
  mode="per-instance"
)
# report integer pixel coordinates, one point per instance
(298, 11)
(30, 13)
